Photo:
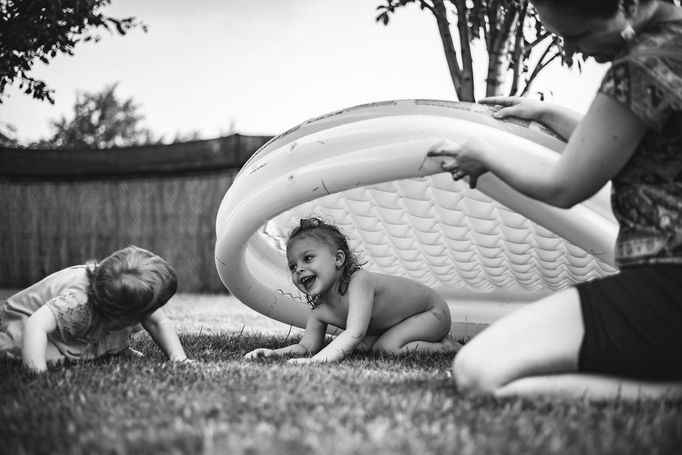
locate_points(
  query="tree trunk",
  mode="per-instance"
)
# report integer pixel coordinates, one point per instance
(467, 75)
(448, 46)
(498, 53)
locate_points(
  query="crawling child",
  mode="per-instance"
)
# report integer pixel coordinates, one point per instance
(87, 311)
(381, 313)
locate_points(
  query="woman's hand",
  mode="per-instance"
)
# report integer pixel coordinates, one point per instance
(260, 353)
(516, 106)
(461, 160)
(561, 120)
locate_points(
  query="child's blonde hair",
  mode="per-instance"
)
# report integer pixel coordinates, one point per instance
(128, 286)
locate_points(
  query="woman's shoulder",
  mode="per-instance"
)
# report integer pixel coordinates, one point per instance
(648, 78)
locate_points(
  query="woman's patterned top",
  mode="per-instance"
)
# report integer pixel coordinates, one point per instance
(647, 193)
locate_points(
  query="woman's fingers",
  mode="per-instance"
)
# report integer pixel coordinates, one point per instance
(457, 174)
(443, 148)
(501, 100)
(446, 151)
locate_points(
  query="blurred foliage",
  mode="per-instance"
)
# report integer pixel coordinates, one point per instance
(8, 133)
(100, 120)
(38, 30)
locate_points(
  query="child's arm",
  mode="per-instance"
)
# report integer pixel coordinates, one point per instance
(163, 333)
(311, 342)
(34, 342)
(360, 301)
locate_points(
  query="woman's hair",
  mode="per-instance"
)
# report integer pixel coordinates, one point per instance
(128, 286)
(332, 236)
(599, 8)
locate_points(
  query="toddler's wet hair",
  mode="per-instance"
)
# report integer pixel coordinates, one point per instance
(332, 236)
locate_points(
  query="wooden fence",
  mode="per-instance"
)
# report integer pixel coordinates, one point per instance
(163, 198)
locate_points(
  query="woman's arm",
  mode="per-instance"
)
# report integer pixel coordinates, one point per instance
(34, 342)
(163, 333)
(599, 147)
(310, 343)
(360, 301)
(559, 119)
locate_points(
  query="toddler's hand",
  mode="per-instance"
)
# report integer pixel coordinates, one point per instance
(33, 369)
(260, 353)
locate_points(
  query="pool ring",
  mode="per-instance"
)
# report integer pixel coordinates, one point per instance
(488, 251)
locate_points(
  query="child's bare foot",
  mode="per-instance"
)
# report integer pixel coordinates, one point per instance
(450, 344)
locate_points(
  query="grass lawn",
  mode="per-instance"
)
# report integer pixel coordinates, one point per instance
(221, 404)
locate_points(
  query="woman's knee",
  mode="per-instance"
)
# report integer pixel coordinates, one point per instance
(475, 372)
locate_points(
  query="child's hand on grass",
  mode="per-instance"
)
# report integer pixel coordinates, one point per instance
(260, 353)
(35, 370)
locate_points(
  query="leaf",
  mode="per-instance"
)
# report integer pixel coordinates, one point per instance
(40, 29)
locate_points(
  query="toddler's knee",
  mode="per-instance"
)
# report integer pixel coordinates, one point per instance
(474, 372)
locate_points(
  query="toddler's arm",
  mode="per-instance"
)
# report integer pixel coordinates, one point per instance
(311, 342)
(34, 342)
(360, 303)
(163, 333)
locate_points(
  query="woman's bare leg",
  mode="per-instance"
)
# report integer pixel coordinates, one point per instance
(534, 351)
(541, 338)
(591, 386)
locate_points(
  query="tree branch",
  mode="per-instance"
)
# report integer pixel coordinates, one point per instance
(542, 63)
(448, 46)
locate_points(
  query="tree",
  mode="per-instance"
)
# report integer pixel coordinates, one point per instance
(510, 31)
(38, 30)
(100, 120)
(8, 135)
(516, 41)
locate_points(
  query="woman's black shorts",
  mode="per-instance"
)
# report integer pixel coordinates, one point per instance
(633, 323)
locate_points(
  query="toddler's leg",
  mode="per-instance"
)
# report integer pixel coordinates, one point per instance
(424, 332)
(367, 343)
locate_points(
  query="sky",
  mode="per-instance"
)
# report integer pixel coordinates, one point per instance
(255, 67)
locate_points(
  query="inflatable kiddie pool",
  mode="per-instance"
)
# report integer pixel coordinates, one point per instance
(487, 251)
